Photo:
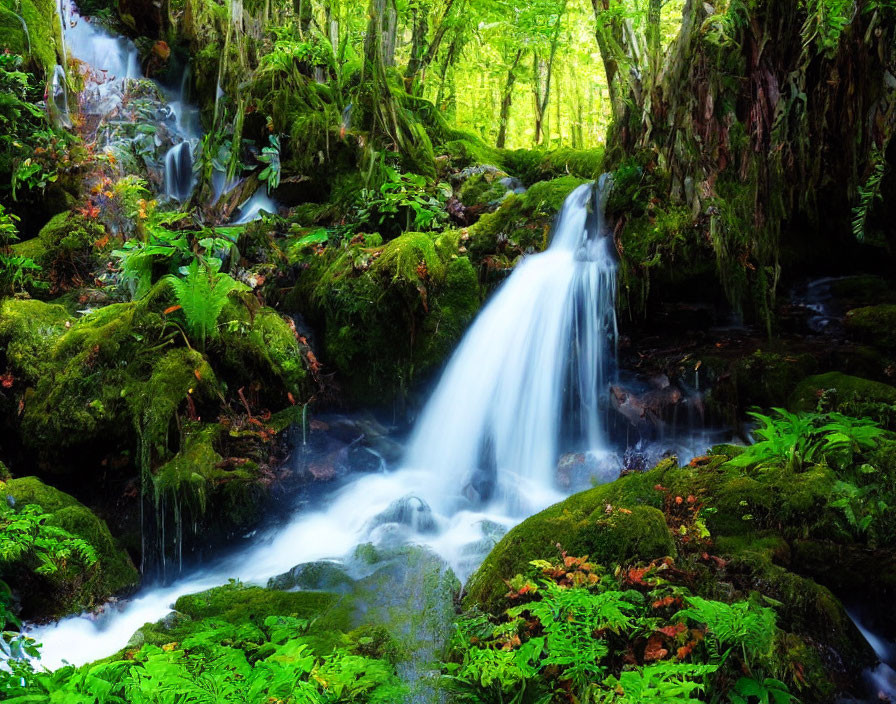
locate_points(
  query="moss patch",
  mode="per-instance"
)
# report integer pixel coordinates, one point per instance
(844, 387)
(71, 590)
(876, 325)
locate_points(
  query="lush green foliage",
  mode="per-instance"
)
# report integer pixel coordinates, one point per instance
(202, 294)
(799, 439)
(16, 271)
(221, 662)
(598, 636)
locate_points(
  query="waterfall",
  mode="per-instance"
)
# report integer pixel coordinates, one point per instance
(110, 65)
(252, 209)
(526, 382)
(538, 354)
(179, 171)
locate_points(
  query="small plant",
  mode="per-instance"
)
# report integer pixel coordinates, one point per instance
(16, 271)
(201, 294)
(403, 202)
(798, 439)
(270, 155)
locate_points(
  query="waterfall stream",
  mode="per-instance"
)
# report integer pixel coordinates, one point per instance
(525, 384)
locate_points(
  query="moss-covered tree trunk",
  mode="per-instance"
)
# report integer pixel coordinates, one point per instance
(766, 123)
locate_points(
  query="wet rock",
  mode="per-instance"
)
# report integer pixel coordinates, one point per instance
(648, 409)
(411, 594)
(317, 576)
(583, 469)
(410, 511)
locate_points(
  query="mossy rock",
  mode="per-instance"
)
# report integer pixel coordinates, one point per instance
(483, 188)
(43, 40)
(106, 379)
(69, 233)
(29, 330)
(219, 498)
(71, 590)
(848, 389)
(387, 313)
(588, 523)
(237, 603)
(533, 165)
(521, 224)
(875, 325)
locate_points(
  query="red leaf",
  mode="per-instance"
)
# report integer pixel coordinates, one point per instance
(655, 649)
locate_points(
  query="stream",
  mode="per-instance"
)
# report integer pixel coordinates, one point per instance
(527, 385)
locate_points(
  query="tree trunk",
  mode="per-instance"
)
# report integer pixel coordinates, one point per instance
(542, 78)
(507, 100)
(779, 142)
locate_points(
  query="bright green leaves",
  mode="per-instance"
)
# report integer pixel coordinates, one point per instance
(202, 294)
(270, 155)
(799, 439)
(25, 534)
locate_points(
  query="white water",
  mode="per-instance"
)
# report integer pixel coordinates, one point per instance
(110, 64)
(252, 208)
(882, 678)
(508, 381)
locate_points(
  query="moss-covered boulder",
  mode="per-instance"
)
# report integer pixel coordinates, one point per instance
(107, 378)
(748, 520)
(875, 325)
(68, 241)
(521, 224)
(590, 524)
(29, 330)
(839, 389)
(387, 314)
(69, 589)
(42, 41)
(207, 496)
(263, 346)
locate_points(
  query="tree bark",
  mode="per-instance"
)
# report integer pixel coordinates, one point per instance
(507, 100)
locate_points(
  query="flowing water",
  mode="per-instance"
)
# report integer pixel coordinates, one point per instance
(122, 113)
(527, 382)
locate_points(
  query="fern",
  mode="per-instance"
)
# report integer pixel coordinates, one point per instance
(202, 294)
(869, 193)
(744, 625)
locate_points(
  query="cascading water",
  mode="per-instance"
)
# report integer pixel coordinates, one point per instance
(541, 346)
(526, 381)
(179, 171)
(110, 65)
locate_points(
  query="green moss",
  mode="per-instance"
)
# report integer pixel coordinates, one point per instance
(262, 346)
(29, 331)
(388, 313)
(44, 33)
(588, 523)
(94, 364)
(532, 165)
(483, 188)
(237, 603)
(69, 233)
(874, 324)
(549, 195)
(204, 487)
(71, 590)
(410, 258)
(843, 387)
(33, 249)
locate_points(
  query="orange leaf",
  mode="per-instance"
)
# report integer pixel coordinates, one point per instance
(655, 649)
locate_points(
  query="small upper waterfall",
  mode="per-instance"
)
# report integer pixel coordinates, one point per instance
(110, 65)
(179, 171)
(533, 366)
